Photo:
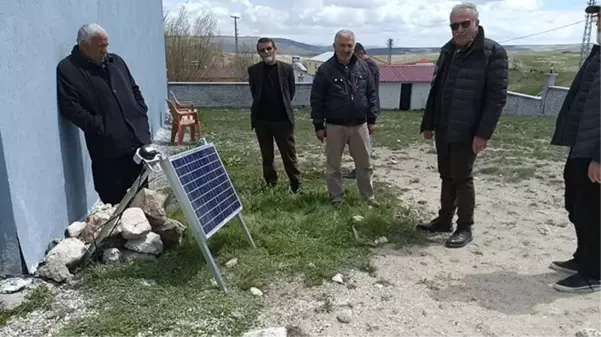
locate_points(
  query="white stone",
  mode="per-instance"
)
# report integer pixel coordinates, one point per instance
(588, 333)
(76, 228)
(381, 240)
(149, 244)
(152, 204)
(69, 252)
(112, 255)
(231, 263)
(345, 316)
(338, 278)
(134, 224)
(128, 255)
(256, 291)
(357, 218)
(268, 332)
(13, 285)
(54, 269)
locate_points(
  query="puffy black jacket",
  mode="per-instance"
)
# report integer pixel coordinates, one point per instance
(472, 85)
(578, 121)
(343, 94)
(105, 102)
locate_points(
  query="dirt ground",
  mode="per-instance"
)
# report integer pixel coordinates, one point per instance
(500, 284)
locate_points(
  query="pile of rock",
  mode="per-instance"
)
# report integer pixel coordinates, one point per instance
(143, 232)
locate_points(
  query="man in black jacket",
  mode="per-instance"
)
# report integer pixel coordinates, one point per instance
(578, 127)
(98, 94)
(375, 73)
(468, 93)
(272, 87)
(344, 109)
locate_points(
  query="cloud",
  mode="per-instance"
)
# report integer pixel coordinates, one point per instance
(411, 23)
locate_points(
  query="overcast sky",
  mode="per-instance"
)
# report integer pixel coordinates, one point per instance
(411, 23)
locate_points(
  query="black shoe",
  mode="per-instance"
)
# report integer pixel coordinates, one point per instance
(460, 238)
(351, 175)
(436, 226)
(294, 187)
(336, 202)
(569, 266)
(577, 284)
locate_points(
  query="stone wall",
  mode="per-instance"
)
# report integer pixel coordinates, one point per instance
(236, 95)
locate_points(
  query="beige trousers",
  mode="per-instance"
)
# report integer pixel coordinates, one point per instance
(357, 138)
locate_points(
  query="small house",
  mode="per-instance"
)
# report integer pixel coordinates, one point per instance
(405, 87)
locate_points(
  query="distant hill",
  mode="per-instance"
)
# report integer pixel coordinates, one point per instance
(291, 47)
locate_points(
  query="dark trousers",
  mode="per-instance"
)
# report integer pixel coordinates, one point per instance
(283, 134)
(582, 203)
(113, 177)
(455, 165)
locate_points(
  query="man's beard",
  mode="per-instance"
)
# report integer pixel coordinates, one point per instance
(269, 59)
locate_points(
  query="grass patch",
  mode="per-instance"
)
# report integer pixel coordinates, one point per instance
(297, 235)
(37, 299)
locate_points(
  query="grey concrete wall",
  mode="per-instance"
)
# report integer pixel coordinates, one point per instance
(553, 100)
(45, 174)
(237, 95)
(522, 105)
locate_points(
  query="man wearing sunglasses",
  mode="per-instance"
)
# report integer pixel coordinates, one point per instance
(272, 87)
(578, 127)
(468, 93)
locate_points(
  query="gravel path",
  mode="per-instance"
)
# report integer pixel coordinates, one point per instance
(500, 284)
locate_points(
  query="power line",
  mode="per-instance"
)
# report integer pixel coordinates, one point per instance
(543, 32)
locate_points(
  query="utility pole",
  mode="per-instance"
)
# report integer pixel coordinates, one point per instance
(389, 44)
(236, 31)
(586, 37)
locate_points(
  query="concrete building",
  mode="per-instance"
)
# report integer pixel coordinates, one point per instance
(313, 63)
(45, 174)
(405, 87)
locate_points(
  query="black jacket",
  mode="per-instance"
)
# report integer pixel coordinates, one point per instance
(287, 86)
(105, 102)
(343, 95)
(473, 94)
(578, 121)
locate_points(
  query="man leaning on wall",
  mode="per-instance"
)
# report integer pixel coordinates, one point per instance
(98, 94)
(578, 127)
(464, 105)
(273, 87)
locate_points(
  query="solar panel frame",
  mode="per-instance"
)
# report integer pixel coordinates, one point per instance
(171, 171)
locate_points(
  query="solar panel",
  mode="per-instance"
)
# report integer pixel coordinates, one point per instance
(206, 194)
(208, 187)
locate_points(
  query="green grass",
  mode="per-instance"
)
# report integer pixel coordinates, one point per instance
(297, 235)
(38, 298)
(528, 70)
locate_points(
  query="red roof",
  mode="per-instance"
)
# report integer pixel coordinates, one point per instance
(406, 73)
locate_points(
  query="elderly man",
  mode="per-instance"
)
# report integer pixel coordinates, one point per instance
(272, 87)
(344, 111)
(97, 92)
(467, 97)
(375, 73)
(578, 127)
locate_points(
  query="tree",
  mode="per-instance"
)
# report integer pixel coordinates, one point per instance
(191, 45)
(242, 60)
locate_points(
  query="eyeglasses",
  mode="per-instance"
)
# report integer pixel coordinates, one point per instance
(463, 24)
(264, 50)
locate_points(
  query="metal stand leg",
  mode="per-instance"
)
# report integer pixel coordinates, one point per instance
(209, 258)
(246, 231)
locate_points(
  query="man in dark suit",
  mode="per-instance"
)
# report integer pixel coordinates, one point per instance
(272, 87)
(97, 93)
